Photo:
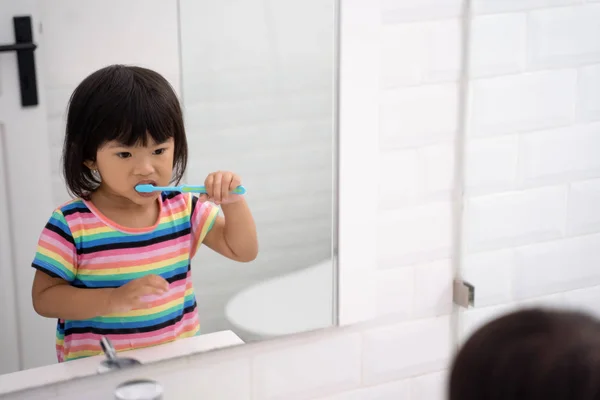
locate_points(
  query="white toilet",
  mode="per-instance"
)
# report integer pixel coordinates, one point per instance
(296, 302)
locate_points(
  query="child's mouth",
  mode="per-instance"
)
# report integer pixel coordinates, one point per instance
(146, 182)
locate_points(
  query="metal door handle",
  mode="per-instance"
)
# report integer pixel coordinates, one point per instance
(24, 47)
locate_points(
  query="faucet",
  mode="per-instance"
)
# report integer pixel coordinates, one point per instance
(113, 361)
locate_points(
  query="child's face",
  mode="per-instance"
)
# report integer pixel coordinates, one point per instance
(122, 168)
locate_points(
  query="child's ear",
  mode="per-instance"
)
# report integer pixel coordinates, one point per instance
(90, 164)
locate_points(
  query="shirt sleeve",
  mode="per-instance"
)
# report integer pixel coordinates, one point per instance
(56, 253)
(202, 218)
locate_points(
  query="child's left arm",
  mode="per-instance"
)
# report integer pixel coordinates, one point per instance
(234, 235)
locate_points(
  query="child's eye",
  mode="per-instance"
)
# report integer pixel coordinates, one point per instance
(124, 155)
(159, 151)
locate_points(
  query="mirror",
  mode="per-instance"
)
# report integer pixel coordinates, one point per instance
(257, 88)
(258, 91)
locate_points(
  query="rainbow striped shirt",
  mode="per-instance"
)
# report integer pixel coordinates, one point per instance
(85, 248)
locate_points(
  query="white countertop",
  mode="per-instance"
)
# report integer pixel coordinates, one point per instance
(55, 373)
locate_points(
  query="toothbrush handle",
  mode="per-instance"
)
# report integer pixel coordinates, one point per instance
(239, 190)
(202, 189)
(194, 189)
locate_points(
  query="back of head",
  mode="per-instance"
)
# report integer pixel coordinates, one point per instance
(530, 355)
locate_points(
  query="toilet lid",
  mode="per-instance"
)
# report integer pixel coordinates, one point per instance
(292, 303)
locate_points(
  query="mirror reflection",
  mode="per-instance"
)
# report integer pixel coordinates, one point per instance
(261, 102)
(116, 260)
(194, 206)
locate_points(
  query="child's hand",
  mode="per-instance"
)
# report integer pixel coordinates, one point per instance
(219, 186)
(135, 294)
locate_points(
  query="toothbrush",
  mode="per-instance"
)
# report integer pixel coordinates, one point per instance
(146, 188)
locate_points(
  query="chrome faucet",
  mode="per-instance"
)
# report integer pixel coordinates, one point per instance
(108, 348)
(112, 360)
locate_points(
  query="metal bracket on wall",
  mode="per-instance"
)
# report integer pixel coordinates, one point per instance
(463, 294)
(24, 47)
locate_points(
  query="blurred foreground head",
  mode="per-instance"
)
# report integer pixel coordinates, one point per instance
(530, 355)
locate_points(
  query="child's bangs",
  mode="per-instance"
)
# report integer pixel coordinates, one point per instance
(143, 117)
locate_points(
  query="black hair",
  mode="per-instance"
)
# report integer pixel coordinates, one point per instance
(531, 354)
(122, 103)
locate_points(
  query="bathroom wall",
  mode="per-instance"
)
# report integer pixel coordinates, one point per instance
(404, 351)
(532, 198)
(530, 208)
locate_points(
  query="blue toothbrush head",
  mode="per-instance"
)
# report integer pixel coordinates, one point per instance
(145, 188)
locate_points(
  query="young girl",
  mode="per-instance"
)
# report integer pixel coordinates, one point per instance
(114, 262)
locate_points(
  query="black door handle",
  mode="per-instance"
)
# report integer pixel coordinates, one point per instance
(24, 47)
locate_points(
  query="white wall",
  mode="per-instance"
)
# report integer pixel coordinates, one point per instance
(532, 205)
(528, 184)
(258, 89)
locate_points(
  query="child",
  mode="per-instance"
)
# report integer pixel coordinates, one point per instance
(530, 354)
(114, 262)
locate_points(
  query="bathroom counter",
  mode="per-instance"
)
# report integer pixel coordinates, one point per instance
(55, 373)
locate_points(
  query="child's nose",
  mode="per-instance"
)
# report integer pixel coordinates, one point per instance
(144, 168)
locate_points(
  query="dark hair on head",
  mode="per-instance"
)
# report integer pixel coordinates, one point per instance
(530, 354)
(128, 104)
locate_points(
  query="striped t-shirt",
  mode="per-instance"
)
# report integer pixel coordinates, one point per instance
(82, 246)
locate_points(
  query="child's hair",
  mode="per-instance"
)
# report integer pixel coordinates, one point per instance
(530, 355)
(122, 103)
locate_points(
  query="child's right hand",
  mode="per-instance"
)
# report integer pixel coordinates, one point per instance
(131, 295)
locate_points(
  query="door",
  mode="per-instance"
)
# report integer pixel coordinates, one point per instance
(27, 340)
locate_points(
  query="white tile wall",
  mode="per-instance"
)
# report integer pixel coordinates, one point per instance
(531, 222)
(499, 6)
(514, 218)
(584, 208)
(418, 53)
(406, 115)
(589, 95)
(564, 36)
(297, 372)
(492, 272)
(560, 155)
(430, 386)
(587, 299)
(390, 391)
(515, 103)
(410, 10)
(414, 235)
(491, 164)
(531, 219)
(433, 289)
(498, 44)
(547, 268)
(407, 349)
